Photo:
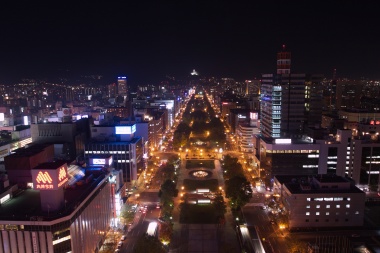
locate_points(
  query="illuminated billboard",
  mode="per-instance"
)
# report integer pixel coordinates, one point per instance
(253, 115)
(283, 141)
(98, 161)
(26, 121)
(125, 129)
(50, 179)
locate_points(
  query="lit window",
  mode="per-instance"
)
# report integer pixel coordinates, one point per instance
(308, 199)
(348, 206)
(337, 206)
(327, 213)
(318, 206)
(327, 206)
(348, 199)
(357, 212)
(317, 213)
(308, 206)
(307, 213)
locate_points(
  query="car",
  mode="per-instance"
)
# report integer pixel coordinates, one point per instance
(120, 244)
(123, 237)
(117, 250)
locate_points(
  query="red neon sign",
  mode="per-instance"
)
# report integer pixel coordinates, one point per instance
(62, 174)
(51, 179)
(44, 177)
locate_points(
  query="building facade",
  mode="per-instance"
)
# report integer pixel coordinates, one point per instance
(323, 201)
(57, 216)
(120, 142)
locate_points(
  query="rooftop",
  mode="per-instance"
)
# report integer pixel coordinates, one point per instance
(26, 205)
(296, 184)
(133, 140)
(50, 165)
(31, 150)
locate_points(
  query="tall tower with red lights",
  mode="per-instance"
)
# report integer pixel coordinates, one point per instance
(283, 61)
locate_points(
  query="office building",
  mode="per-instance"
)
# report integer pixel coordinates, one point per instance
(289, 102)
(283, 61)
(120, 142)
(245, 133)
(68, 137)
(320, 201)
(122, 86)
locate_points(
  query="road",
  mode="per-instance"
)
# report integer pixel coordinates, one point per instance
(139, 227)
(260, 227)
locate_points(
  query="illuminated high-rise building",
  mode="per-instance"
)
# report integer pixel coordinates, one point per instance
(289, 101)
(112, 90)
(283, 61)
(122, 87)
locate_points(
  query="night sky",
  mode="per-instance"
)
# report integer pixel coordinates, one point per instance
(148, 40)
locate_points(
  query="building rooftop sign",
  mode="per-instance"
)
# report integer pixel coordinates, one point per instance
(46, 177)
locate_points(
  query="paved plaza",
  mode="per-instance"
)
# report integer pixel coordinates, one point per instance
(203, 238)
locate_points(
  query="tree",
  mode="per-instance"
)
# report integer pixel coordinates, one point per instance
(148, 244)
(166, 232)
(238, 189)
(216, 128)
(127, 213)
(167, 192)
(180, 140)
(168, 188)
(183, 128)
(199, 115)
(296, 246)
(219, 204)
(199, 126)
(232, 167)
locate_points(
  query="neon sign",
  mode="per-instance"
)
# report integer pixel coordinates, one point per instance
(50, 179)
(62, 174)
(44, 178)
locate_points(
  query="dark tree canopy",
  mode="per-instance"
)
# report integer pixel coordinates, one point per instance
(219, 204)
(168, 188)
(232, 167)
(148, 244)
(238, 189)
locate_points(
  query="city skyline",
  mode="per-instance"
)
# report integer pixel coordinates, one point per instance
(146, 41)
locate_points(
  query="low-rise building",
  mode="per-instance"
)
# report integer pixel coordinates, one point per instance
(320, 201)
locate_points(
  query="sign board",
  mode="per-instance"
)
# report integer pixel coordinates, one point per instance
(50, 179)
(98, 161)
(125, 129)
